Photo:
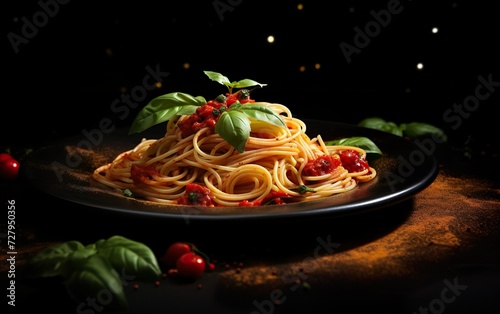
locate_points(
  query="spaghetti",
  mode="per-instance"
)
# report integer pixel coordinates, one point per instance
(193, 165)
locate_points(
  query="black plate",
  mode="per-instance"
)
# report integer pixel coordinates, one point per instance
(64, 170)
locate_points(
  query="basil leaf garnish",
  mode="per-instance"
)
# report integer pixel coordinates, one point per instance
(163, 108)
(362, 142)
(234, 127)
(246, 83)
(219, 78)
(261, 112)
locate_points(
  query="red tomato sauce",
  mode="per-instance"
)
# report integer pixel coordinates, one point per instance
(321, 165)
(196, 194)
(202, 118)
(352, 161)
(208, 114)
(276, 198)
(142, 174)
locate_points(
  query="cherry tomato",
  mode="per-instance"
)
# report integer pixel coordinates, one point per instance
(9, 167)
(174, 251)
(5, 156)
(190, 265)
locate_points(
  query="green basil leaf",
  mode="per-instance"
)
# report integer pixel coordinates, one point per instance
(382, 125)
(235, 106)
(234, 127)
(391, 127)
(247, 83)
(133, 257)
(419, 129)
(77, 260)
(373, 123)
(362, 142)
(303, 189)
(217, 77)
(214, 76)
(82, 254)
(97, 278)
(51, 260)
(163, 108)
(263, 113)
(91, 246)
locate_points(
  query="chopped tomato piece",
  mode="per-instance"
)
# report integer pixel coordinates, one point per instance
(196, 194)
(272, 198)
(321, 165)
(352, 161)
(142, 174)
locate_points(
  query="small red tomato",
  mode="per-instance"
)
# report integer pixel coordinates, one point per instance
(190, 265)
(175, 251)
(5, 156)
(9, 168)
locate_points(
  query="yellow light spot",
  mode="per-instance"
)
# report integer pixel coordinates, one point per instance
(302, 68)
(317, 66)
(186, 65)
(300, 6)
(158, 85)
(270, 39)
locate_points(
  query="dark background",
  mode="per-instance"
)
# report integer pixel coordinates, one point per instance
(89, 54)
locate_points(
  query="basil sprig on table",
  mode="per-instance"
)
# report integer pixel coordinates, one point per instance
(234, 124)
(105, 265)
(411, 130)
